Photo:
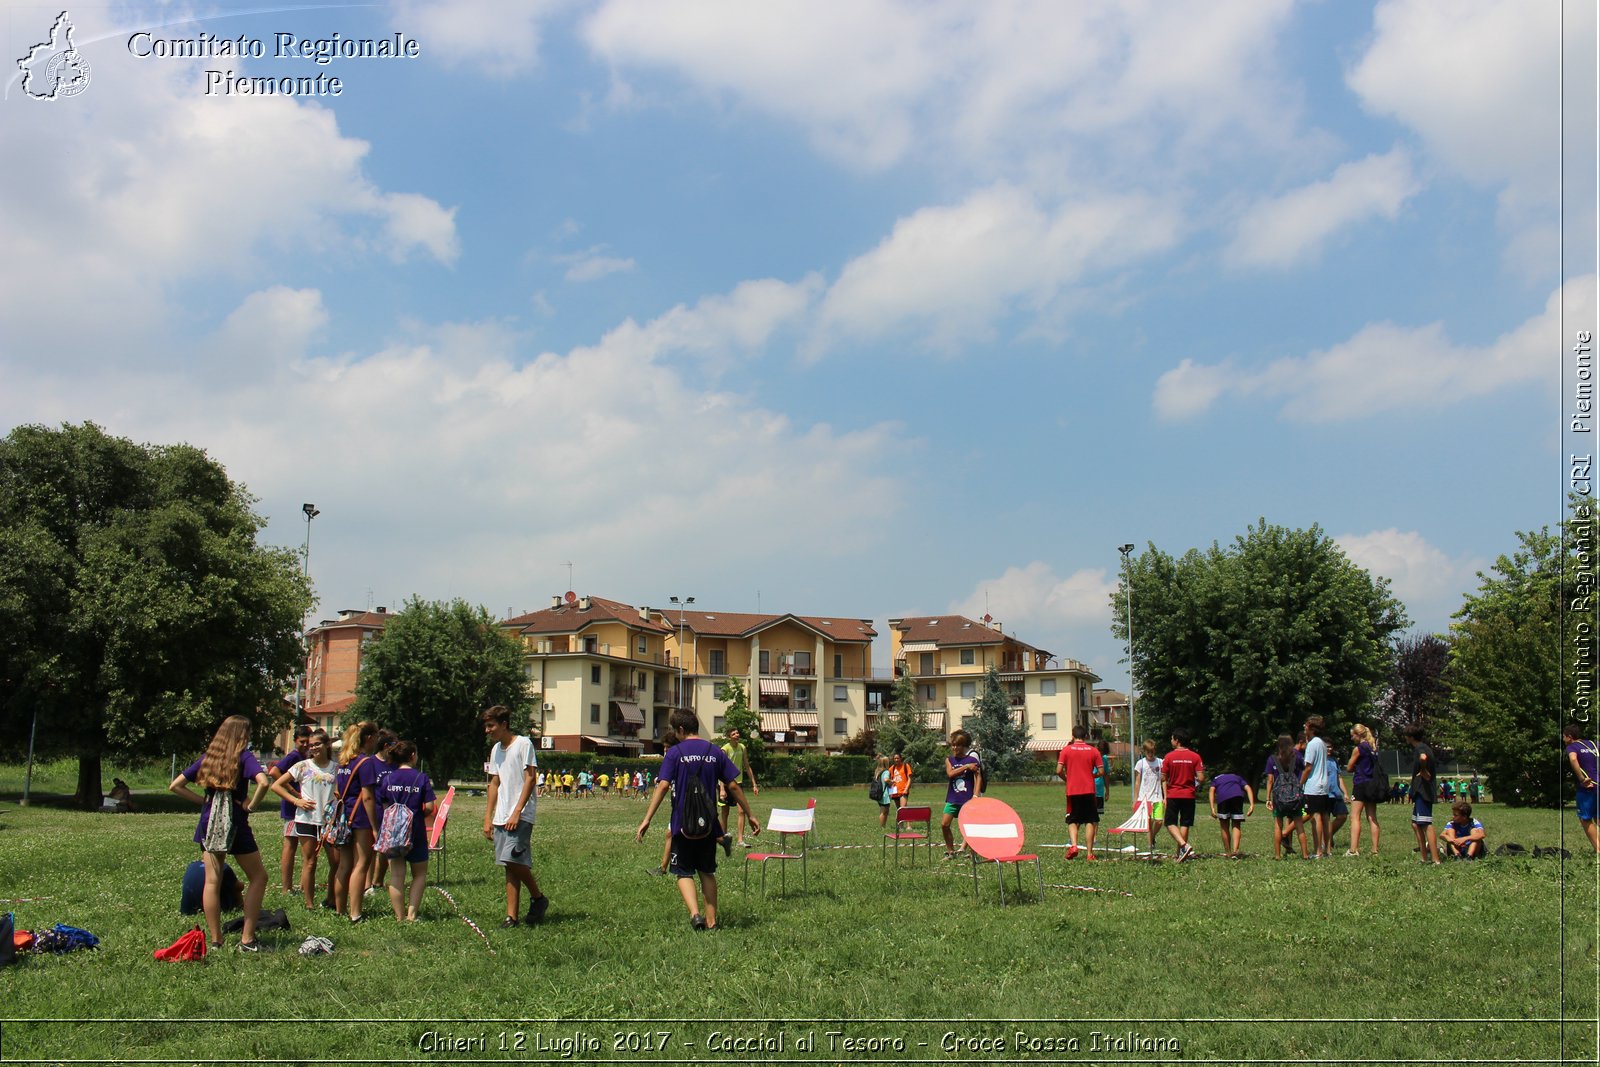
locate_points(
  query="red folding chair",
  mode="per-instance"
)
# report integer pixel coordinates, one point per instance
(993, 831)
(902, 817)
(786, 823)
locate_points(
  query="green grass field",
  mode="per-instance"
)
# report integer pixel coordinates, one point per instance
(1214, 960)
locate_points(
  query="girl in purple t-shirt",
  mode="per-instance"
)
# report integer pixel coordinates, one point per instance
(354, 785)
(226, 771)
(1367, 790)
(410, 788)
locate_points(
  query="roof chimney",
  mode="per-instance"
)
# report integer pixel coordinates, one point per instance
(644, 613)
(583, 603)
(555, 600)
(382, 610)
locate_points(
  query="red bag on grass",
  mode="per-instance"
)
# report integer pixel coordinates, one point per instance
(191, 946)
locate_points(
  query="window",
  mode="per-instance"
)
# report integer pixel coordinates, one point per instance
(802, 662)
(719, 723)
(766, 661)
(841, 692)
(591, 644)
(1047, 687)
(718, 661)
(594, 712)
(927, 693)
(969, 690)
(642, 646)
(802, 695)
(594, 674)
(838, 665)
(720, 691)
(967, 657)
(841, 726)
(1047, 721)
(926, 663)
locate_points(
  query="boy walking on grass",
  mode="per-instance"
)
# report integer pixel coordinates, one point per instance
(964, 770)
(695, 766)
(508, 814)
(1077, 766)
(1182, 772)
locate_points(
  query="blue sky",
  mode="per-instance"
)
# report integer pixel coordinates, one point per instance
(868, 309)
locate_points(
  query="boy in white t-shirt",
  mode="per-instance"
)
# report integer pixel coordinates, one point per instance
(508, 815)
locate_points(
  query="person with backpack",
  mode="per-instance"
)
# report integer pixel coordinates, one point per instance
(692, 769)
(308, 787)
(508, 814)
(1283, 787)
(1583, 757)
(878, 791)
(355, 816)
(383, 759)
(406, 799)
(226, 771)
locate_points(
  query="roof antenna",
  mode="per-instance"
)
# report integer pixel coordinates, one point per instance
(568, 565)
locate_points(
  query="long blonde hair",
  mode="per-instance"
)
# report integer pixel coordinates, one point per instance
(1365, 736)
(356, 736)
(219, 767)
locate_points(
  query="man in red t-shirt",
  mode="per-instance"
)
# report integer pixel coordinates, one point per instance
(1182, 773)
(1076, 768)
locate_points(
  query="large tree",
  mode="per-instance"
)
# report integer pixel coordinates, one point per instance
(136, 607)
(1522, 661)
(1417, 693)
(1000, 740)
(1239, 645)
(432, 672)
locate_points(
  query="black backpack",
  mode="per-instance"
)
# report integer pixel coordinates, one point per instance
(1285, 789)
(698, 817)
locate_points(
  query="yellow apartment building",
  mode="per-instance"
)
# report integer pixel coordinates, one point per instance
(947, 656)
(607, 675)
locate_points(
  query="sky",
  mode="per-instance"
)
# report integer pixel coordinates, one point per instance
(865, 308)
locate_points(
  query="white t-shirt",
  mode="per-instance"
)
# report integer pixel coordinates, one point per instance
(316, 784)
(1149, 772)
(508, 762)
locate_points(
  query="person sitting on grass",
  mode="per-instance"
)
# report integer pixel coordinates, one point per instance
(1228, 795)
(1463, 836)
(965, 772)
(693, 760)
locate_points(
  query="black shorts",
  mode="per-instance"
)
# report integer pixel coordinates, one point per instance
(1319, 804)
(690, 857)
(1180, 811)
(1231, 810)
(1081, 809)
(1371, 791)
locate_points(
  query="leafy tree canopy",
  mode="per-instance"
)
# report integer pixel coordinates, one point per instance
(1417, 693)
(1000, 740)
(432, 672)
(1522, 660)
(741, 717)
(136, 607)
(1239, 645)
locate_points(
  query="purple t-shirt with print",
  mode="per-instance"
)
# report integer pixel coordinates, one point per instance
(249, 767)
(286, 810)
(1588, 757)
(963, 785)
(693, 757)
(365, 770)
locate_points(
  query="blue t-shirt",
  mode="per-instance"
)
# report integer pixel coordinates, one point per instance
(1316, 783)
(690, 758)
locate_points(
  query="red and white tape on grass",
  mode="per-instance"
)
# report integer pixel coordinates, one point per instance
(446, 894)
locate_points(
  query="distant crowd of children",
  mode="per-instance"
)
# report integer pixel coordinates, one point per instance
(584, 785)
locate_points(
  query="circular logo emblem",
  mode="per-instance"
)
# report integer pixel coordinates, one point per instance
(67, 73)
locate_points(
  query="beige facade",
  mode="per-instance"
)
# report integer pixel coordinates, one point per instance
(947, 657)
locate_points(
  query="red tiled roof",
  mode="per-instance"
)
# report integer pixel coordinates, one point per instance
(744, 624)
(368, 619)
(570, 618)
(951, 631)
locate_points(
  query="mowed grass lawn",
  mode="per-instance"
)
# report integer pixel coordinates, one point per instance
(1346, 959)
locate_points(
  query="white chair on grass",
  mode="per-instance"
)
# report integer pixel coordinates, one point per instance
(788, 824)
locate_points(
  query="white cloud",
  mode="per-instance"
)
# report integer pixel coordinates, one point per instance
(1386, 367)
(948, 273)
(152, 184)
(1035, 600)
(1422, 577)
(500, 38)
(593, 265)
(1293, 227)
(995, 80)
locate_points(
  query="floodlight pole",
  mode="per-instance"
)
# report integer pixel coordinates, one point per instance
(1127, 588)
(311, 512)
(682, 604)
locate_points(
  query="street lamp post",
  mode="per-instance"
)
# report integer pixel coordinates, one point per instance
(311, 512)
(682, 604)
(1127, 588)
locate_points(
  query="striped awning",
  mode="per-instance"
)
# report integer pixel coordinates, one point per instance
(773, 722)
(1037, 745)
(934, 720)
(629, 711)
(774, 687)
(802, 719)
(920, 646)
(612, 742)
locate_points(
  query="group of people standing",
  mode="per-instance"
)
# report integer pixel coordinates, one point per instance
(329, 804)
